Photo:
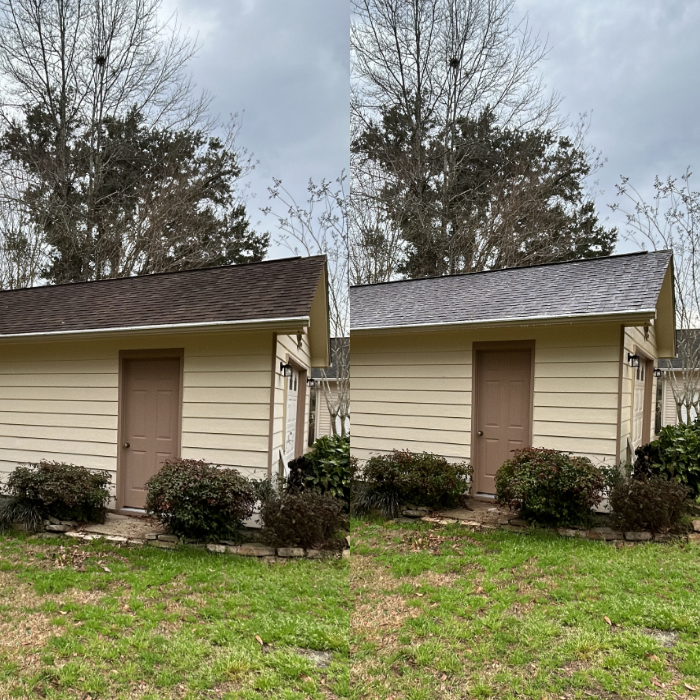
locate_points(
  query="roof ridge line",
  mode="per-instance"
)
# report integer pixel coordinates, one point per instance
(519, 267)
(163, 274)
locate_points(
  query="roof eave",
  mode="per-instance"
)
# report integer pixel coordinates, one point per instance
(279, 325)
(631, 317)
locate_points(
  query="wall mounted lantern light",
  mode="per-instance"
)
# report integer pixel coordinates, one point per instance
(632, 360)
(285, 369)
(657, 372)
(310, 382)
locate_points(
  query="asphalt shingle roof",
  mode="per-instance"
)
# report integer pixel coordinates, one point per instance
(612, 284)
(275, 289)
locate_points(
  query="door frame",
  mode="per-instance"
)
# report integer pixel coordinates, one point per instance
(648, 394)
(301, 404)
(151, 354)
(485, 346)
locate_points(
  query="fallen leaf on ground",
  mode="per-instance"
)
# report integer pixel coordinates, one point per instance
(607, 619)
(259, 641)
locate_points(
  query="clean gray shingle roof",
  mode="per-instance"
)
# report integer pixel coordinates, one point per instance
(275, 289)
(614, 284)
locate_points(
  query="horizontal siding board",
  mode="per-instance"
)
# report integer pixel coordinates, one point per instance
(59, 406)
(429, 397)
(225, 426)
(52, 393)
(219, 441)
(408, 357)
(58, 420)
(232, 379)
(62, 380)
(582, 445)
(257, 411)
(571, 400)
(378, 445)
(226, 363)
(595, 354)
(563, 370)
(74, 455)
(227, 458)
(588, 385)
(446, 384)
(379, 408)
(407, 421)
(64, 446)
(575, 430)
(226, 395)
(571, 414)
(403, 434)
(424, 371)
(63, 433)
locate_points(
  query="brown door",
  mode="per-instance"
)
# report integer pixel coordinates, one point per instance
(502, 409)
(150, 433)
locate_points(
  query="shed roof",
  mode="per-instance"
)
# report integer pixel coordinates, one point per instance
(608, 286)
(274, 290)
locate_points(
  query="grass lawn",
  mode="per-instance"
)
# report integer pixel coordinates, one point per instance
(444, 613)
(98, 621)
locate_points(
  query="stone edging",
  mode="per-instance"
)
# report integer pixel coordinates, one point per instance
(605, 534)
(68, 528)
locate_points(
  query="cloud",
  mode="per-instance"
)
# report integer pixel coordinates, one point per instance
(634, 66)
(285, 66)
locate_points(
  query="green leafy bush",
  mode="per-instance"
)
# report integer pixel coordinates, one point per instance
(327, 468)
(649, 503)
(420, 479)
(674, 454)
(301, 518)
(550, 487)
(63, 491)
(198, 500)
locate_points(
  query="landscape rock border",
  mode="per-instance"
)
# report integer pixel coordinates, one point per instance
(67, 528)
(605, 534)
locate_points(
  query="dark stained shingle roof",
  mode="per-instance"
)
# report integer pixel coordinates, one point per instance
(615, 284)
(274, 289)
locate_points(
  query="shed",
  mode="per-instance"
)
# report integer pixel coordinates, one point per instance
(475, 366)
(122, 374)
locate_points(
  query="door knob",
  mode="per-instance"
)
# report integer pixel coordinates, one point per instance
(127, 444)
(480, 433)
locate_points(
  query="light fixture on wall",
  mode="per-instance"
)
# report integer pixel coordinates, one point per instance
(285, 369)
(632, 360)
(310, 382)
(657, 372)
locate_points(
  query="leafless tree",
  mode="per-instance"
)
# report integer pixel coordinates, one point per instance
(436, 62)
(671, 220)
(320, 227)
(69, 69)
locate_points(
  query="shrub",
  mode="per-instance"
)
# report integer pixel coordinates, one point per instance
(63, 491)
(194, 499)
(301, 518)
(550, 487)
(674, 454)
(327, 468)
(403, 477)
(650, 503)
(12, 511)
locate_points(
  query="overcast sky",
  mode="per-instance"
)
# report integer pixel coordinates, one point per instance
(286, 65)
(634, 65)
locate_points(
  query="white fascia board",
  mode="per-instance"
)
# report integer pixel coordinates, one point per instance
(628, 317)
(278, 324)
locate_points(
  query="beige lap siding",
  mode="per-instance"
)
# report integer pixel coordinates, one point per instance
(59, 400)
(413, 391)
